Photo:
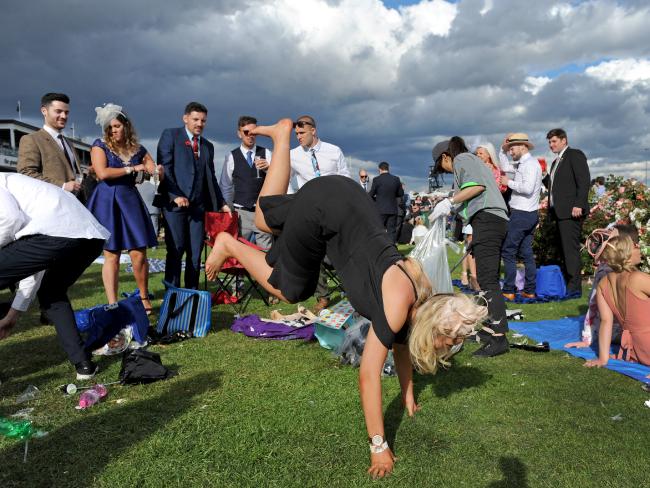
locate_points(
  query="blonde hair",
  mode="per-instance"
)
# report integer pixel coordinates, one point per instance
(448, 315)
(618, 253)
(419, 220)
(489, 148)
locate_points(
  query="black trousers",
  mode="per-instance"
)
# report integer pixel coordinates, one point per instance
(489, 232)
(570, 233)
(64, 260)
(390, 224)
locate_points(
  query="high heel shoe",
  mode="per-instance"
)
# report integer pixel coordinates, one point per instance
(463, 278)
(147, 310)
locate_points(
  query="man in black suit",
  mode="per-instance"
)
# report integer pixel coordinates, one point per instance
(568, 186)
(189, 190)
(385, 190)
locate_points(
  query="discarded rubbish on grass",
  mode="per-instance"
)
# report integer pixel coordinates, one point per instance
(20, 429)
(539, 347)
(30, 393)
(617, 417)
(71, 388)
(23, 414)
(91, 396)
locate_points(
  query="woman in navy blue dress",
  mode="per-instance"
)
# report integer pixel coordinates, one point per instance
(117, 204)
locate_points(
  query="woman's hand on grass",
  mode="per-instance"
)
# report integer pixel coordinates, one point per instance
(381, 465)
(410, 405)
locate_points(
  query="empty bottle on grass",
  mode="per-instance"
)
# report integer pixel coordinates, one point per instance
(89, 397)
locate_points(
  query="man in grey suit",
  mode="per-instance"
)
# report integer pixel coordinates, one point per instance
(46, 154)
(364, 180)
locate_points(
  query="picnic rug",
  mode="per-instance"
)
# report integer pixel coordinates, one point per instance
(559, 332)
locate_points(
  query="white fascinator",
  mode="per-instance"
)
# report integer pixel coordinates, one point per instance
(107, 113)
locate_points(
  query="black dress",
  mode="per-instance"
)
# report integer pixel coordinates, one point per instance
(333, 216)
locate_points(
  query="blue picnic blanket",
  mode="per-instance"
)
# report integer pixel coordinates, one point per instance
(559, 332)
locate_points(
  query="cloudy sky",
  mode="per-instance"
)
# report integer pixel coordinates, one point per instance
(384, 79)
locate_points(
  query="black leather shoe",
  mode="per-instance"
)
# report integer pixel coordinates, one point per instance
(494, 346)
(483, 336)
(86, 370)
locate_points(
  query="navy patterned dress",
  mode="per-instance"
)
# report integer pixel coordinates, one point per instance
(118, 206)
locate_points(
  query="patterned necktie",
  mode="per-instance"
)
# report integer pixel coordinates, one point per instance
(314, 163)
(195, 146)
(249, 158)
(67, 156)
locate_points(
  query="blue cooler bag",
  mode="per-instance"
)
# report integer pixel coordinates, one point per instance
(185, 310)
(101, 323)
(550, 282)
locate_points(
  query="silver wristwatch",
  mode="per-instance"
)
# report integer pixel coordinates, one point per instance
(377, 444)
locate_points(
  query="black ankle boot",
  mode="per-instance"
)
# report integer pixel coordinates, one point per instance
(493, 346)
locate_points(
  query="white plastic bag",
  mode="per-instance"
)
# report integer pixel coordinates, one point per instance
(431, 251)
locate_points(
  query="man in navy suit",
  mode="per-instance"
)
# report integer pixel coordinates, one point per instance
(568, 184)
(385, 190)
(189, 190)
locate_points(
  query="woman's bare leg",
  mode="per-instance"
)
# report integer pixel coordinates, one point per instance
(254, 261)
(141, 274)
(277, 176)
(110, 274)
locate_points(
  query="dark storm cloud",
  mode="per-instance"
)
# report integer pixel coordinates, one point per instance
(383, 84)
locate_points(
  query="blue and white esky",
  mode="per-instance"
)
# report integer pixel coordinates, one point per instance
(384, 79)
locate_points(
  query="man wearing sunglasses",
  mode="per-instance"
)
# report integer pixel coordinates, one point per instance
(364, 180)
(313, 158)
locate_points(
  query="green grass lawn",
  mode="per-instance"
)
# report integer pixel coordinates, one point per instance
(245, 412)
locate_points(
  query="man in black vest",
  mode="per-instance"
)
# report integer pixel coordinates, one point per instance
(568, 187)
(243, 173)
(386, 189)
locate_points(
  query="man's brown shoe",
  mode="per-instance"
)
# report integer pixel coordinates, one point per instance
(528, 295)
(509, 296)
(322, 303)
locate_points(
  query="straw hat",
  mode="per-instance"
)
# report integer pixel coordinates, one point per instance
(518, 138)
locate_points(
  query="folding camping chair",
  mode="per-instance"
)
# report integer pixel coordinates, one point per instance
(332, 276)
(235, 273)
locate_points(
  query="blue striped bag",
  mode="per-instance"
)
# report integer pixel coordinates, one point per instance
(185, 310)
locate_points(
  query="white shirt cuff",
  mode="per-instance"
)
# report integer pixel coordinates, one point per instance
(26, 291)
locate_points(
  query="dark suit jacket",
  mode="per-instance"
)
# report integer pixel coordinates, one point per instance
(40, 157)
(571, 183)
(385, 190)
(176, 156)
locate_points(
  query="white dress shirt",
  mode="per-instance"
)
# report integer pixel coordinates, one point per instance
(526, 184)
(551, 174)
(29, 206)
(64, 147)
(507, 166)
(330, 162)
(225, 182)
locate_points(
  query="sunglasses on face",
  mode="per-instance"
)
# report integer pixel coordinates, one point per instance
(246, 132)
(302, 123)
(363, 177)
